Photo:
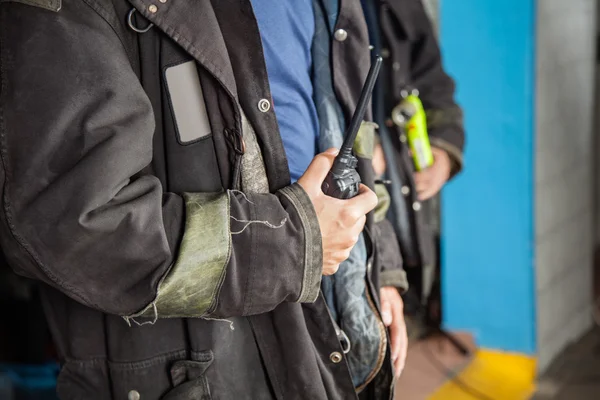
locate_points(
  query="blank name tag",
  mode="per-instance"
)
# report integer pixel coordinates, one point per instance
(187, 102)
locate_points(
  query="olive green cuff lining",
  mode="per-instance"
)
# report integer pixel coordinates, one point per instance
(190, 289)
(364, 144)
(313, 245)
(383, 202)
(395, 278)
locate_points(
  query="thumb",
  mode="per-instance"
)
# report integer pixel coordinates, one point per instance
(317, 170)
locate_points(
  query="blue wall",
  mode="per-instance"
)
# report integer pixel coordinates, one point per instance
(488, 270)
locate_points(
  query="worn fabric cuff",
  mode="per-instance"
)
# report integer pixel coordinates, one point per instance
(455, 154)
(191, 286)
(383, 202)
(394, 277)
(364, 144)
(313, 246)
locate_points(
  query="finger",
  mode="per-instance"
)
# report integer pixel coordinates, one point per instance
(399, 367)
(352, 233)
(397, 331)
(424, 183)
(426, 194)
(422, 186)
(360, 224)
(386, 311)
(365, 201)
(429, 192)
(423, 176)
(419, 176)
(342, 255)
(331, 269)
(395, 340)
(379, 163)
(438, 153)
(401, 359)
(438, 171)
(319, 167)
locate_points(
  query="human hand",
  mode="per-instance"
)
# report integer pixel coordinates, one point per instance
(378, 162)
(341, 221)
(429, 181)
(392, 313)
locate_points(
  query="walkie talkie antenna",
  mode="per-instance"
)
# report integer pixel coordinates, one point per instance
(343, 181)
(361, 107)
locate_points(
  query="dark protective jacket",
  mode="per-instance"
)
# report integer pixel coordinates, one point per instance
(412, 60)
(145, 183)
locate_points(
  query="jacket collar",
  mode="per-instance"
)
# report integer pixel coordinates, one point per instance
(194, 26)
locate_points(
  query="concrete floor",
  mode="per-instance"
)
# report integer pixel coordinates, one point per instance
(575, 374)
(429, 364)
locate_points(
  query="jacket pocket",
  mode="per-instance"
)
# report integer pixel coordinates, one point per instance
(143, 380)
(177, 375)
(79, 380)
(189, 378)
(192, 164)
(187, 103)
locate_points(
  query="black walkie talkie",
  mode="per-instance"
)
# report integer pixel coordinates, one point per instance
(342, 180)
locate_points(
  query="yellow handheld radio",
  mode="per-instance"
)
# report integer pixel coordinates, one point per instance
(410, 116)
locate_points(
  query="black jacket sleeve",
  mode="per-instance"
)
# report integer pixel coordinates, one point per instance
(389, 257)
(388, 262)
(80, 213)
(436, 88)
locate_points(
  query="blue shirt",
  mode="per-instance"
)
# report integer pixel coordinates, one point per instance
(287, 28)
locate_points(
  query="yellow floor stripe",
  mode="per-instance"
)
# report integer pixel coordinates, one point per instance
(497, 375)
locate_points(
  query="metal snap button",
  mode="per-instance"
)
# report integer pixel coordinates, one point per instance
(416, 206)
(163, 1)
(264, 105)
(152, 8)
(405, 190)
(133, 395)
(340, 35)
(403, 138)
(336, 357)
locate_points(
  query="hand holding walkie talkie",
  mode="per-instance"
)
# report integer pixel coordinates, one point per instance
(343, 181)
(333, 186)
